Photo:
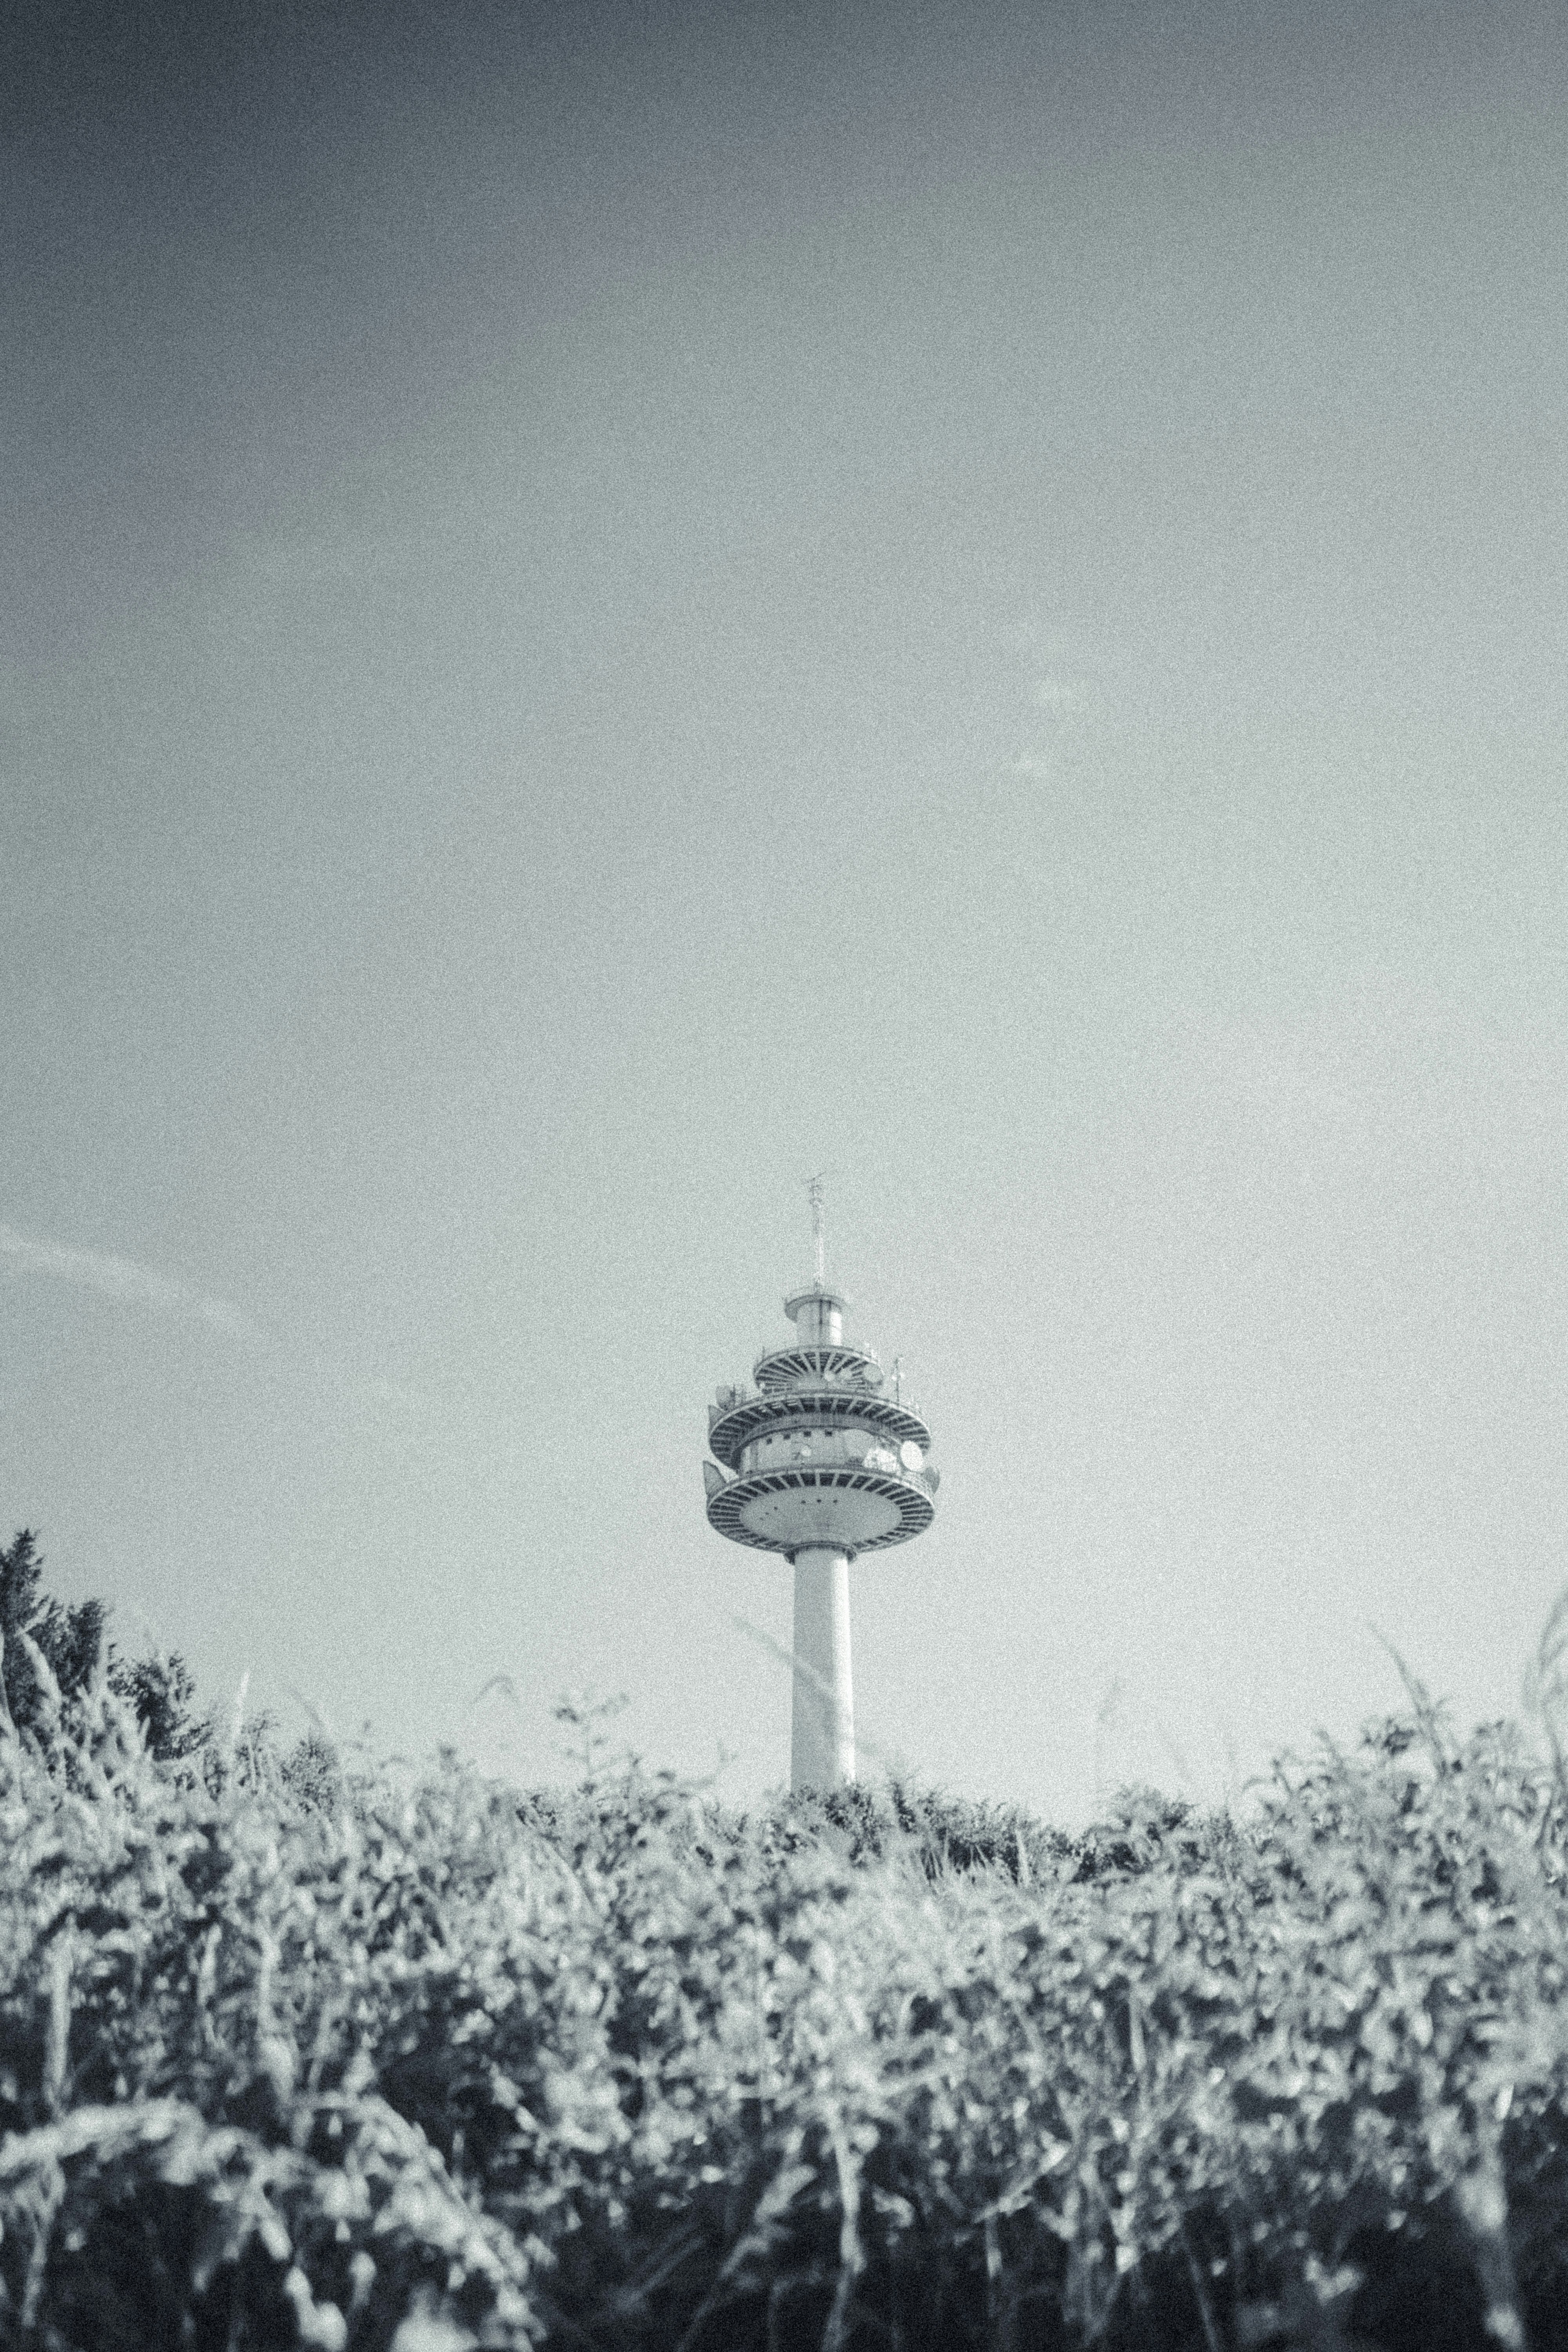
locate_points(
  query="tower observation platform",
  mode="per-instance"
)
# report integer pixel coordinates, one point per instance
(820, 1457)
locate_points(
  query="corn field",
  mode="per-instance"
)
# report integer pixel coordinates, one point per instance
(423, 2062)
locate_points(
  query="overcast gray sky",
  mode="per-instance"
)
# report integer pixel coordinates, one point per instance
(606, 608)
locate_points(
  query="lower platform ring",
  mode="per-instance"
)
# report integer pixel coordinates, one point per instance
(913, 1507)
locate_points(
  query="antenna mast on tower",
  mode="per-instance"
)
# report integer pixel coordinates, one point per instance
(819, 1243)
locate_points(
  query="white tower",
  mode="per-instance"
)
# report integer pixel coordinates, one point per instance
(820, 1459)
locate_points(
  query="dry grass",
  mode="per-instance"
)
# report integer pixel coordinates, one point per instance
(343, 2064)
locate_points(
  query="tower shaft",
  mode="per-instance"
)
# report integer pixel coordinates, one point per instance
(818, 1461)
(822, 1737)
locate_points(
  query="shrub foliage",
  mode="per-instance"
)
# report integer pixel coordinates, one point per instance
(317, 2055)
(74, 1644)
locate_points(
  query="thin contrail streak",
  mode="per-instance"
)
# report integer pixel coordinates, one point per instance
(143, 1286)
(121, 1277)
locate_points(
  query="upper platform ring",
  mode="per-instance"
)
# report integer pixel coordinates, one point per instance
(815, 1407)
(803, 1359)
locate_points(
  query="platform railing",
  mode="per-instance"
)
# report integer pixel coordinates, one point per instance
(869, 1397)
(890, 1392)
(789, 1346)
(881, 1461)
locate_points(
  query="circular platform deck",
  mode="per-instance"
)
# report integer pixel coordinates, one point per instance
(839, 1508)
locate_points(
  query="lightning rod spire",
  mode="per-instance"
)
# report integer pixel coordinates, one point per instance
(819, 1245)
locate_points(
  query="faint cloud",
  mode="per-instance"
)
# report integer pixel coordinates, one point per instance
(143, 1286)
(392, 1392)
(1060, 691)
(1059, 696)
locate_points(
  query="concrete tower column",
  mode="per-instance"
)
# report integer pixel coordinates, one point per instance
(822, 1736)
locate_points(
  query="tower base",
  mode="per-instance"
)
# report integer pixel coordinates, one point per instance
(822, 1739)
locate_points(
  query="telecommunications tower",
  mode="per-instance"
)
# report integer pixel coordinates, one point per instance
(821, 1458)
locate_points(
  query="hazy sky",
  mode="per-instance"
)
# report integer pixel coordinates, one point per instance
(604, 608)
